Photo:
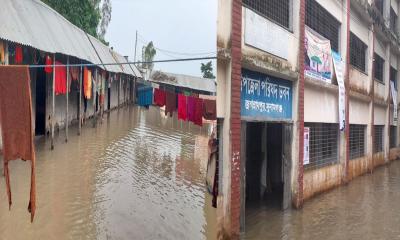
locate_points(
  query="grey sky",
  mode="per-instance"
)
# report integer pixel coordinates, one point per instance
(184, 26)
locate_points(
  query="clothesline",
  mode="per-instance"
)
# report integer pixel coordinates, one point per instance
(123, 63)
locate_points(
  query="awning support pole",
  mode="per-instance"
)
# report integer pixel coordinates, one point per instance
(80, 102)
(66, 117)
(53, 102)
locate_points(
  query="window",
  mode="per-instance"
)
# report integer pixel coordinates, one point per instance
(378, 138)
(323, 144)
(277, 11)
(393, 20)
(378, 67)
(393, 76)
(379, 5)
(393, 137)
(358, 50)
(322, 22)
(357, 140)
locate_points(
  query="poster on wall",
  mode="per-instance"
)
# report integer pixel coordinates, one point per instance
(306, 157)
(394, 99)
(318, 60)
(339, 70)
(265, 97)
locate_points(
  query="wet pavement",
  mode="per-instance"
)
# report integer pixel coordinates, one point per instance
(138, 175)
(366, 208)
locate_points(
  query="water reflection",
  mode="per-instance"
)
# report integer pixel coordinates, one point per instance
(138, 175)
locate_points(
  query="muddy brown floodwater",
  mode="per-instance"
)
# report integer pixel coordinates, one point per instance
(366, 208)
(138, 175)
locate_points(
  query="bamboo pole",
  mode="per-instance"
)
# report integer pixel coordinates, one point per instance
(80, 102)
(53, 102)
(94, 98)
(119, 89)
(66, 117)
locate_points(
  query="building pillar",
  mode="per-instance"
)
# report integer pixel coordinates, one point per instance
(80, 102)
(52, 120)
(370, 135)
(386, 134)
(67, 96)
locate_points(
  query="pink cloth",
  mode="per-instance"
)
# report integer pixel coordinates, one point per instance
(191, 107)
(182, 107)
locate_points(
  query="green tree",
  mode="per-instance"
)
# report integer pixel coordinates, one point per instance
(85, 14)
(149, 53)
(207, 70)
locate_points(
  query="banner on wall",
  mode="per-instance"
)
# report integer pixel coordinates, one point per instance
(306, 157)
(318, 60)
(394, 99)
(339, 70)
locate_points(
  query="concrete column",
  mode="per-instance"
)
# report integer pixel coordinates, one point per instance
(386, 146)
(370, 134)
(119, 89)
(53, 102)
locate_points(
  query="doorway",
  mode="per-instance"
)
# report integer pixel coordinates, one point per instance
(41, 92)
(266, 161)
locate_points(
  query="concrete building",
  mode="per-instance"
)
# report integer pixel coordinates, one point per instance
(287, 133)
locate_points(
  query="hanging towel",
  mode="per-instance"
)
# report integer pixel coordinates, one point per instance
(145, 96)
(209, 109)
(182, 107)
(49, 65)
(198, 113)
(61, 79)
(191, 108)
(170, 103)
(87, 83)
(74, 73)
(16, 123)
(18, 54)
(159, 97)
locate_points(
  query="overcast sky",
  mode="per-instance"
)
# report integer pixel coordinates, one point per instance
(183, 26)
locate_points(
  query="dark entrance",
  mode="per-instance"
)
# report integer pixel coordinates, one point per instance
(266, 160)
(41, 87)
(109, 98)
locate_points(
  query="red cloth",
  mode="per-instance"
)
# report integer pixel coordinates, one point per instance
(191, 107)
(198, 112)
(159, 97)
(170, 103)
(182, 107)
(61, 79)
(18, 54)
(209, 109)
(48, 63)
(16, 123)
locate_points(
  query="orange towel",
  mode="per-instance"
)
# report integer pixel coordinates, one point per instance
(16, 120)
(87, 83)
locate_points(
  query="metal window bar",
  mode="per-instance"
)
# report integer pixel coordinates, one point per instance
(379, 5)
(358, 51)
(323, 145)
(393, 76)
(393, 137)
(393, 21)
(321, 21)
(378, 138)
(277, 11)
(357, 140)
(378, 67)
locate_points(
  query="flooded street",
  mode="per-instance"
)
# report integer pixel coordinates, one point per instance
(367, 208)
(138, 175)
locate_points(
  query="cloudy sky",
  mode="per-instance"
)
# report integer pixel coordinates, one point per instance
(179, 28)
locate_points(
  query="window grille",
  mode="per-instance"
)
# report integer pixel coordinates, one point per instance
(322, 22)
(358, 51)
(393, 20)
(393, 76)
(379, 5)
(277, 11)
(378, 67)
(357, 140)
(393, 136)
(323, 145)
(378, 138)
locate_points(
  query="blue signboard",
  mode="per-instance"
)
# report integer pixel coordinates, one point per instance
(264, 96)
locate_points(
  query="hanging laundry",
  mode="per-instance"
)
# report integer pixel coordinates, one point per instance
(145, 96)
(18, 54)
(87, 83)
(49, 65)
(182, 107)
(16, 122)
(198, 113)
(2, 53)
(209, 109)
(74, 73)
(60, 79)
(170, 103)
(191, 108)
(159, 97)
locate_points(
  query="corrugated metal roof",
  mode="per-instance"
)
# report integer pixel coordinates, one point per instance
(186, 81)
(129, 69)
